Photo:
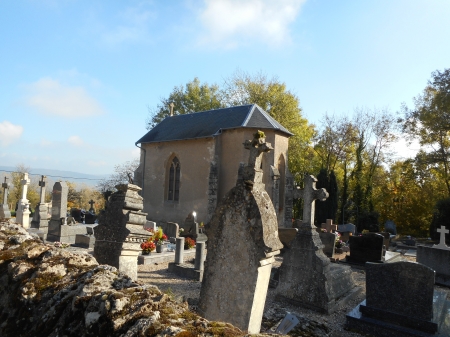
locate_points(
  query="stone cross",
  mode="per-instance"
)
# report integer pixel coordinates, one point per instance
(42, 184)
(309, 195)
(6, 187)
(92, 202)
(257, 146)
(442, 244)
(25, 182)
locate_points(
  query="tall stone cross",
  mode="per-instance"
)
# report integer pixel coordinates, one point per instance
(442, 244)
(92, 202)
(25, 182)
(252, 172)
(309, 195)
(42, 184)
(6, 187)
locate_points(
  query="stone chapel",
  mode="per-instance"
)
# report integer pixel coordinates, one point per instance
(189, 162)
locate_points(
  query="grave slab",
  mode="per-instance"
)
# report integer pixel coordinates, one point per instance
(438, 260)
(390, 309)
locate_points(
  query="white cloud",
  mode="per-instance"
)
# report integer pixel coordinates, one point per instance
(9, 133)
(45, 142)
(75, 141)
(403, 150)
(229, 23)
(52, 98)
(136, 152)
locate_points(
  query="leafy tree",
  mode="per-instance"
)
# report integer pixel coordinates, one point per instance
(441, 217)
(429, 122)
(284, 106)
(327, 209)
(239, 89)
(194, 97)
(120, 176)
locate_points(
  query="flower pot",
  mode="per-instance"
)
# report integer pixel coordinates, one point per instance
(159, 248)
(144, 252)
(338, 250)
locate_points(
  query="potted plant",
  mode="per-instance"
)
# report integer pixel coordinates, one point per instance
(148, 246)
(189, 243)
(159, 237)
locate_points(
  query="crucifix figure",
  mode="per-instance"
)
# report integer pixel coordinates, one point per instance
(442, 244)
(92, 202)
(42, 184)
(6, 186)
(309, 195)
(253, 172)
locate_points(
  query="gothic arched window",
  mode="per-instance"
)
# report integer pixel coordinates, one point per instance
(174, 180)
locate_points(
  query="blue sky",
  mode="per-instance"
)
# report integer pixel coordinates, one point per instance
(76, 77)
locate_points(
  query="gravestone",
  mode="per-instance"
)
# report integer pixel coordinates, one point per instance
(171, 229)
(387, 239)
(307, 277)
(120, 230)
(59, 210)
(23, 210)
(242, 243)
(400, 301)
(329, 243)
(366, 248)
(187, 270)
(40, 217)
(5, 213)
(390, 227)
(437, 257)
(347, 228)
(329, 227)
(192, 230)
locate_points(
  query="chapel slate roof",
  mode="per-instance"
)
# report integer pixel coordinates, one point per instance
(210, 123)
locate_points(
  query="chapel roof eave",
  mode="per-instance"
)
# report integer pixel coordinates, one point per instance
(211, 123)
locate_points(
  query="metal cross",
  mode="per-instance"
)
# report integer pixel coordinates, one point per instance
(42, 184)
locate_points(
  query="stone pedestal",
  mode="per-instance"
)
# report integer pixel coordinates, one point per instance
(41, 217)
(242, 242)
(308, 278)
(437, 259)
(5, 214)
(120, 231)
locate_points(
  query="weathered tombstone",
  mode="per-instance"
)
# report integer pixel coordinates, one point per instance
(40, 217)
(5, 213)
(437, 258)
(120, 231)
(329, 242)
(242, 243)
(191, 228)
(59, 210)
(390, 227)
(347, 228)
(152, 225)
(366, 248)
(307, 277)
(171, 229)
(401, 301)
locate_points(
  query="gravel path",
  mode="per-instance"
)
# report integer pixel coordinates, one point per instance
(311, 322)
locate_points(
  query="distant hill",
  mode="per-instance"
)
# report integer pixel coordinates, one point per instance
(55, 175)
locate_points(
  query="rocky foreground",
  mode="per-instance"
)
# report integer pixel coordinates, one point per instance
(49, 291)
